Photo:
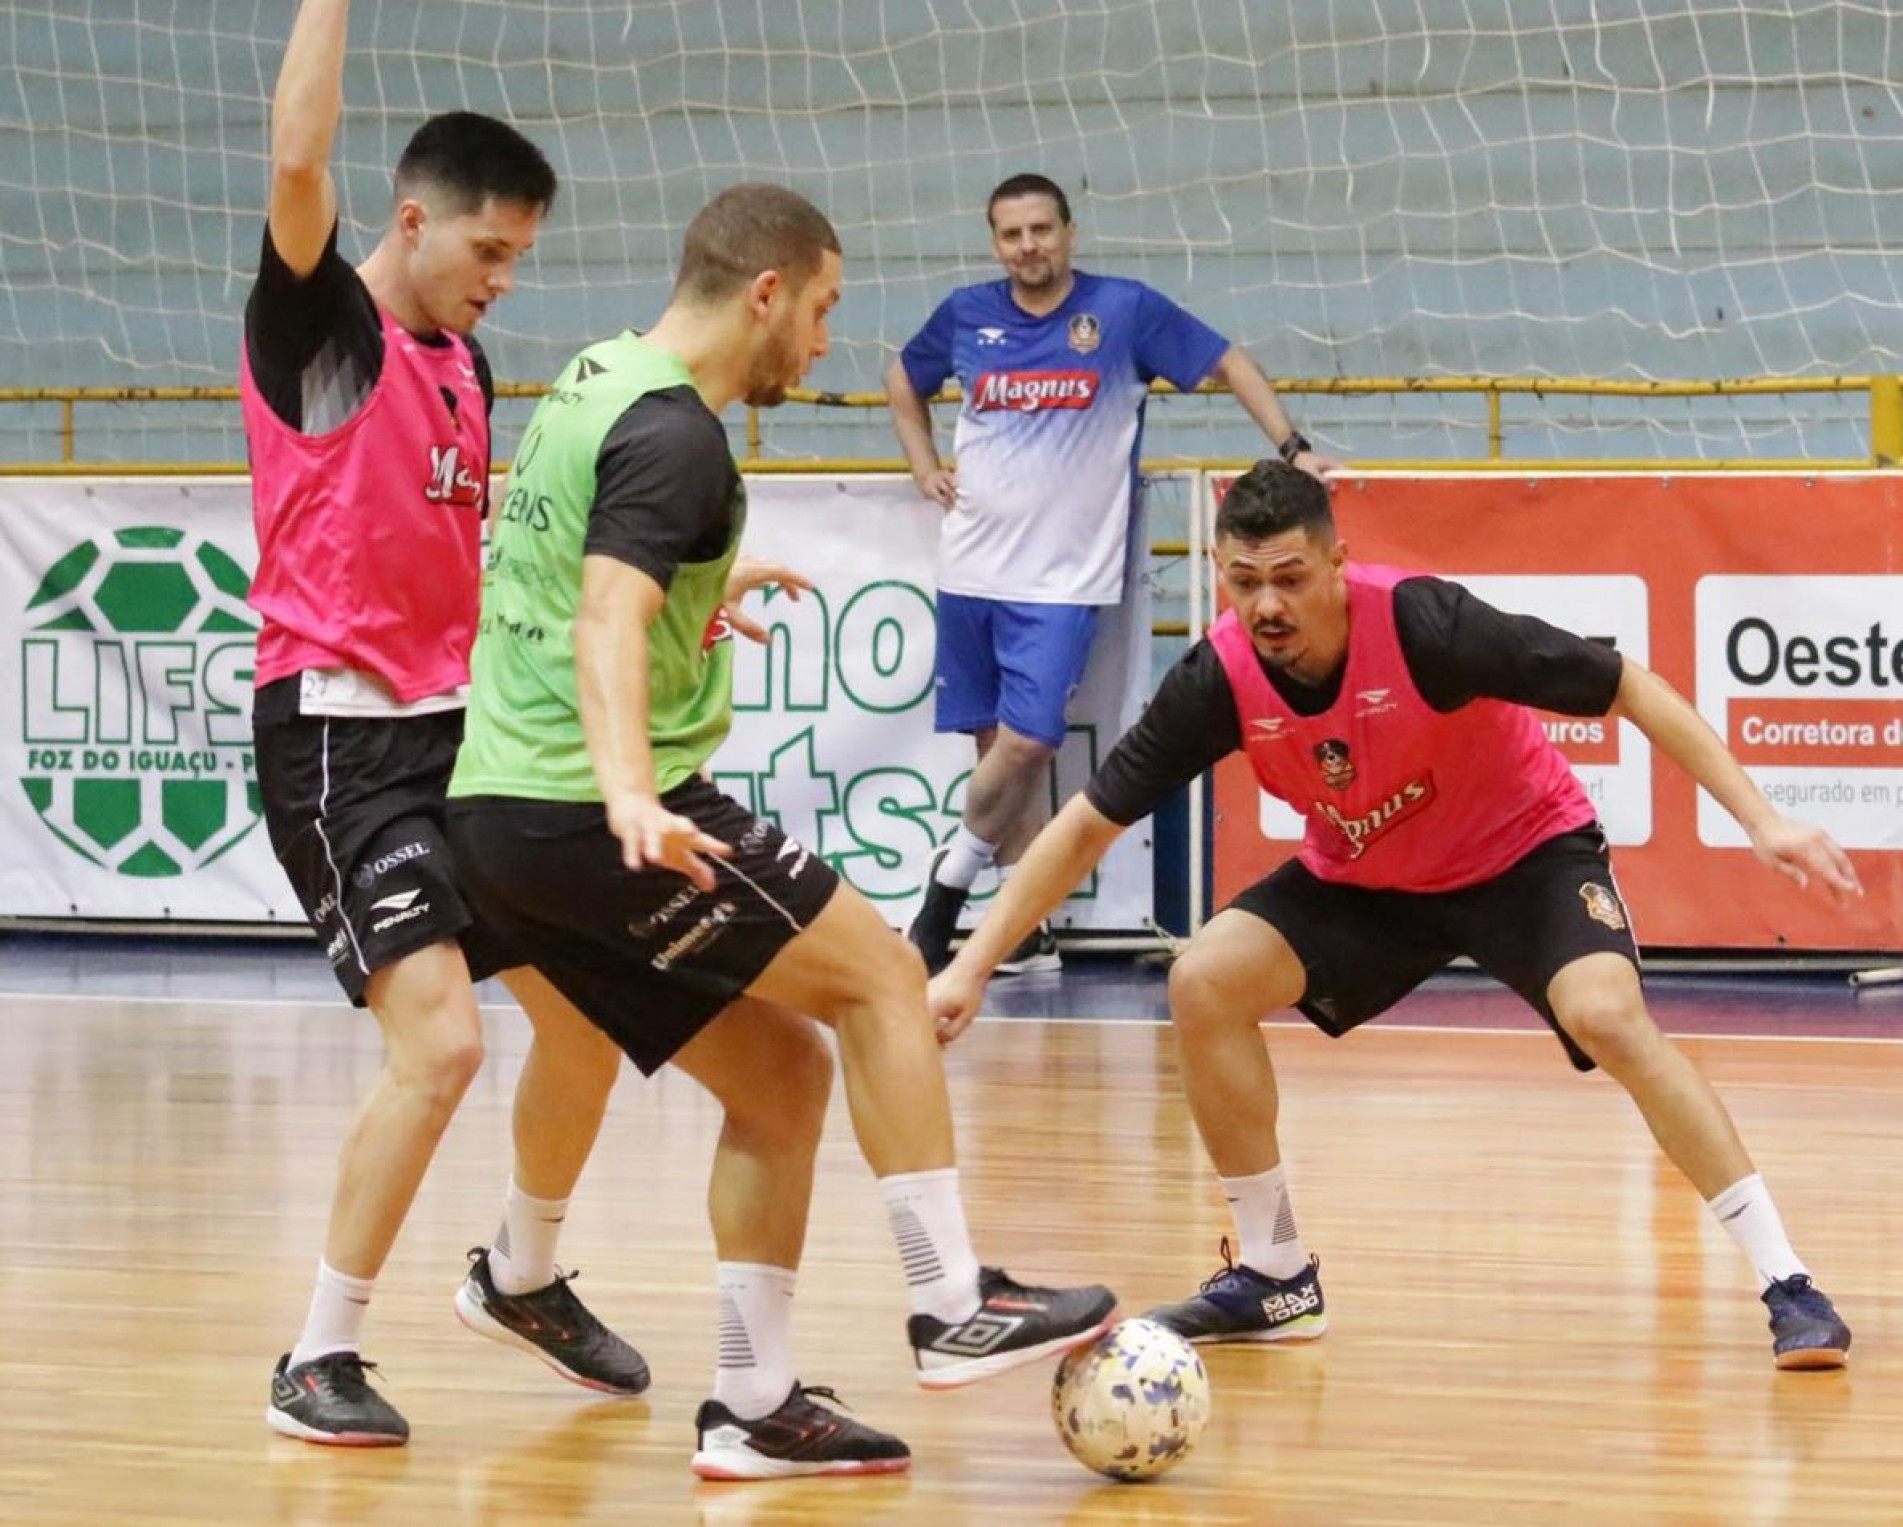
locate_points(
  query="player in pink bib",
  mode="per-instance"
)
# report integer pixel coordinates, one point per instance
(366, 410)
(1396, 712)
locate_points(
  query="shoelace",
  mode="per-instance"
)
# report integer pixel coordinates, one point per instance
(1223, 1274)
(342, 1362)
(825, 1392)
(1806, 1297)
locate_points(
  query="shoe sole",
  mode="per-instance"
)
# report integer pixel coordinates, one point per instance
(721, 1466)
(1814, 1358)
(471, 1311)
(957, 1375)
(1260, 1338)
(290, 1426)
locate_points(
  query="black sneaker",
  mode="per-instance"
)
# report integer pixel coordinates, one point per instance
(329, 1400)
(554, 1325)
(1806, 1330)
(1240, 1304)
(1035, 956)
(798, 1438)
(937, 918)
(1015, 1325)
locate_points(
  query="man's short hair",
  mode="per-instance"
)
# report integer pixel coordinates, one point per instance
(1273, 497)
(471, 159)
(748, 229)
(1029, 185)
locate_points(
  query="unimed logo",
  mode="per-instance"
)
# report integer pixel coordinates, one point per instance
(135, 676)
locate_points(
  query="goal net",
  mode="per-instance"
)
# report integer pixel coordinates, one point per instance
(1353, 188)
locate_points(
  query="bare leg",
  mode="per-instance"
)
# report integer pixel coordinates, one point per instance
(563, 1091)
(1007, 799)
(771, 1071)
(1236, 970)
(432, 1039)
(1598, 1001)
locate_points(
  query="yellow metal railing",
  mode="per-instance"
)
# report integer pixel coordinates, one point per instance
(1885, 395)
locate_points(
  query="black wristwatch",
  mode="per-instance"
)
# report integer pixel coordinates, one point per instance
(1292, 447)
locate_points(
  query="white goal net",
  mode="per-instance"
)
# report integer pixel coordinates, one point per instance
(1353, 188)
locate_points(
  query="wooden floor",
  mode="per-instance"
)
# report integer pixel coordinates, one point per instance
(1533, 1321)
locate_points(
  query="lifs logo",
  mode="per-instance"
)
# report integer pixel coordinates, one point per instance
(450, 482)
(1029, 392)
(719, 629)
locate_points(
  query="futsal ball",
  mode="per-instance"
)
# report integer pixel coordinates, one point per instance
(1132, 1403)
(136, 693)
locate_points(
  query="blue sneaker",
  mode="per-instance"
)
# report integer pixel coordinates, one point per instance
(1240, 1304)
(1806, 1330)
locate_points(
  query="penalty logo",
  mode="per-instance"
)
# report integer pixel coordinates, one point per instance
(135, 681)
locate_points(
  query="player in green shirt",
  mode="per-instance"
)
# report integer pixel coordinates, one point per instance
(690, 931)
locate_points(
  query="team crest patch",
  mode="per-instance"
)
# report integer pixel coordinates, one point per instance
(1338, 769)
(1085, 333)
(1602, 906)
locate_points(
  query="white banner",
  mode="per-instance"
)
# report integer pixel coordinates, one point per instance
(126, 781)
(833, 721)
(127, 788)
(1803, 678)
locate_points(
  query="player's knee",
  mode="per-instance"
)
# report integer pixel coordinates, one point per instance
(440, 1066)
(1611, 1027)
(1200, 993)
(790, 1113)
(1021, 753)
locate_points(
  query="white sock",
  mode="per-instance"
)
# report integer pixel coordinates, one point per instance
(754, 1373)
(523, 1257)
(334, 1322)
(928, 1222)
(1265, 1220)
(1751, 1219)
(965, 855)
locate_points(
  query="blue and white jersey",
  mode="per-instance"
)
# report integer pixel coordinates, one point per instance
(1050, 429)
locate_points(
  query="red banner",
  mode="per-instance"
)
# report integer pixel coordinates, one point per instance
(1774, 604)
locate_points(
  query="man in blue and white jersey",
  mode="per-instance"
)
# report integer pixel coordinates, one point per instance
(1055, 365)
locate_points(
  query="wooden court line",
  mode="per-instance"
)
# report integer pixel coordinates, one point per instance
(1273, 1023)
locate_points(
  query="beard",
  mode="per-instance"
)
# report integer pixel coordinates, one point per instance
(775, 369)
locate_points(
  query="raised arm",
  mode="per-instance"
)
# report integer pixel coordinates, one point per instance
(1795, 849)
(304, 115)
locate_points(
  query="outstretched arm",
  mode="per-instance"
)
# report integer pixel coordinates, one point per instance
(1794, 849)
(1059, 857)
(304, 115)
(1238, 371)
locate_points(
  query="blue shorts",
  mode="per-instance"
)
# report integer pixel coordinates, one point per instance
(1003, 661)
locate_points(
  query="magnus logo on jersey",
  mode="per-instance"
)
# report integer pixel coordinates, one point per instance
(1027, 392)
(450, 482)
(135, 683)
(1409, 801)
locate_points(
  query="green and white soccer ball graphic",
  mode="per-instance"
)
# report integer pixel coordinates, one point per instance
(1132, 1403)
(141, 816)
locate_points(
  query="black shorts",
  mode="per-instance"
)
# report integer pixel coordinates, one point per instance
(650, 959)
(1365, 950)
(354, 808)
